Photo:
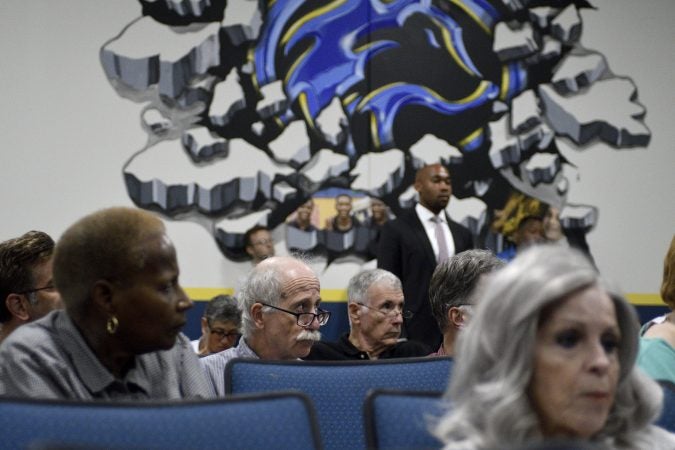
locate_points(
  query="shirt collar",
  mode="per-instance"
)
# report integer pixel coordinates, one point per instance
(93, 374)
(425, 215)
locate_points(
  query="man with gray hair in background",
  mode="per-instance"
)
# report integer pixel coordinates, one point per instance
(376, 312)
(281, 316)
(452, 292)
(27, 290)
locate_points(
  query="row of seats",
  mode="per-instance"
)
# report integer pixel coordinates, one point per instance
(385, 404)
(279, 420)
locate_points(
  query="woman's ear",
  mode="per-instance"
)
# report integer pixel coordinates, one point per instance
(102, 293)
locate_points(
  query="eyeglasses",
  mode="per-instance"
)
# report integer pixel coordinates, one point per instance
(222, 334)
(263, 242)
(389, 311)
(49, 287)
(305, 319)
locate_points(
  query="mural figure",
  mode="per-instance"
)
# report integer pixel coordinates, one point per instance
(252, 107)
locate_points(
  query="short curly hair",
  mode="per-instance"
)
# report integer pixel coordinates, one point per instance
(108, 244)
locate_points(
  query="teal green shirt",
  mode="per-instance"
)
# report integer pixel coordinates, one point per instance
(656, 358)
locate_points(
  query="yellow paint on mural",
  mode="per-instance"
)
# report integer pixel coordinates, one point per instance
(340, 296)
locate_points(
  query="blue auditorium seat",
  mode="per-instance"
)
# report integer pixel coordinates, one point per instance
(276, 420)
(338, 388)
(402, 419)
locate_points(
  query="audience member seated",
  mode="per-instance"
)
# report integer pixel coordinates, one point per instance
(376, 312)
(657, 344)
(549, 354)
(221, 324)
(530, 231)
(303, 217)
(27, 290)
(452, 292)
(259, 243)
(281, 316)
(119, 336)
(344, 221)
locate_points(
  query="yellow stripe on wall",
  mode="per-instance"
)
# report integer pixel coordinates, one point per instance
(340, 296)
(205, 294)
(645, 299)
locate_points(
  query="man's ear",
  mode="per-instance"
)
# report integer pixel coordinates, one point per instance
(455, 317)
(16, 305)
(249, 250)
(102, 296)
(353, 311)
(257, 315)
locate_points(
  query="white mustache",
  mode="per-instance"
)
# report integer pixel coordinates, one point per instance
(309, 335)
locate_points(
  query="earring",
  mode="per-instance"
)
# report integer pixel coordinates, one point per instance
(112, 324)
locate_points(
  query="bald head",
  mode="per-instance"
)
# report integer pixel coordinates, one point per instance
(433, 186)
(273, 280)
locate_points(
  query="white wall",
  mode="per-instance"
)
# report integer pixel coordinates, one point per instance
(66, 134)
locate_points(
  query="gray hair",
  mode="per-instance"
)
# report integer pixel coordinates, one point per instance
(264, 283)
(494, 360)
(362, 281)
(223, 308)
(455, 279)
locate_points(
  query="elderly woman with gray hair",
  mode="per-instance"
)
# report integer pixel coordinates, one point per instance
(549, 355)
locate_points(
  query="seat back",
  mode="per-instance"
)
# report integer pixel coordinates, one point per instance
(667, 417)
(396, 419)
(276, 420)
(338, 388)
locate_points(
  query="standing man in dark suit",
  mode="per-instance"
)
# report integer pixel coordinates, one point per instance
(415, 242)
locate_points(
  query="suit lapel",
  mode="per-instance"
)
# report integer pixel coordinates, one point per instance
(420, 235)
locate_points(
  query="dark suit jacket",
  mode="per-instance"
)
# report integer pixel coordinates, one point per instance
(405, 250)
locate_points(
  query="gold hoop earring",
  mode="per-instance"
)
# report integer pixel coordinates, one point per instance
(112, 324)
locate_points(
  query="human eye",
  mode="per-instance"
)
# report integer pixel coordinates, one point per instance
(387, 306)
(610, 342)
(568, 338)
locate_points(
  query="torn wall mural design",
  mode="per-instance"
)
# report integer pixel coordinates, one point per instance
(252, 108)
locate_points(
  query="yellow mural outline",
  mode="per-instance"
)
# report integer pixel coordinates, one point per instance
(449, 46)
(471, 137)
(340, 296)
(504, 88)
(306, 18)
(471, 14)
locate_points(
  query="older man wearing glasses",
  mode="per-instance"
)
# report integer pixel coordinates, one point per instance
(376, 314)
(281, 316)
(27, 291)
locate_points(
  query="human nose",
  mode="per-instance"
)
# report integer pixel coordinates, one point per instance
(599, 359)
(183, 302)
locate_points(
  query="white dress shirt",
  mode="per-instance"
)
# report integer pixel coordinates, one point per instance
(427, 219)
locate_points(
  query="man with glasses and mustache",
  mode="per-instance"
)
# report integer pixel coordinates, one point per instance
(27, 291)
(281, 316)
(376, 312)
(452, 292)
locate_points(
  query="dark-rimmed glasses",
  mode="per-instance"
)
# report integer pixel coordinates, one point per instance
(44, 288)
(390, 312)
(222, 334)
(305, 319)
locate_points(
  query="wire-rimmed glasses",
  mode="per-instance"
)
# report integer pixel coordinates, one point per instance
(390, 312)
(305, 319)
